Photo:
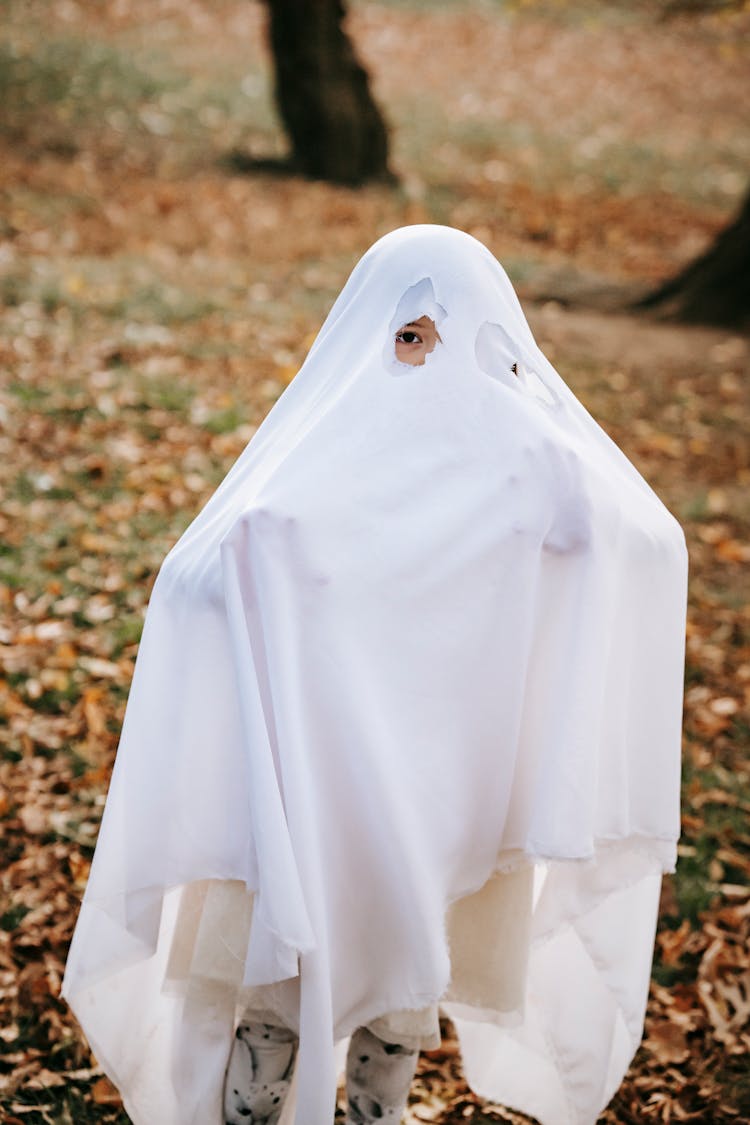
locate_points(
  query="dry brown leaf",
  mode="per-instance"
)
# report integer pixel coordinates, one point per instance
(45, 1080)
(672, 942)
(667, 1042)
(35, 820)
(104, 1092)
(94, 711)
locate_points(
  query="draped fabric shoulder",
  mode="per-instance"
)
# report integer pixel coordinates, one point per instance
(429, 629)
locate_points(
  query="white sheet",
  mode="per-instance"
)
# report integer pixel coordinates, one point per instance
(430, 624)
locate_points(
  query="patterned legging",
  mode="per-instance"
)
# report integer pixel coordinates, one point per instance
(378, 1076)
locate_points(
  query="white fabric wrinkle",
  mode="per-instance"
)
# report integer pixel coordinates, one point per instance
(281, 928)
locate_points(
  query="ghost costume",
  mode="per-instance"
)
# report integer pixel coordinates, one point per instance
(404, 726)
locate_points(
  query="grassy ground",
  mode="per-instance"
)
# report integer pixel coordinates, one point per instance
(154, 305)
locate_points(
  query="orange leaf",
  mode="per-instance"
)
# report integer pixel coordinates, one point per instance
(104, 1093)
(732, 550)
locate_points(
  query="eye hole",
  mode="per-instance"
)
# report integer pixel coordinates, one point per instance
(415, 339)
(407, 336)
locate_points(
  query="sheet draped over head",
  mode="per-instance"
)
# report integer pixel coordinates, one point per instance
(430, 627)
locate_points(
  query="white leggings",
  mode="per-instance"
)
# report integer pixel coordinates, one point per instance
(259, 1075)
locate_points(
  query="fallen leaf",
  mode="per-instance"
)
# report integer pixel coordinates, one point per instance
(104, 1092)
(667, 1042)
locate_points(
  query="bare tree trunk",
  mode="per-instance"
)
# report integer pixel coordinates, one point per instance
(715, 288)
(323, 94)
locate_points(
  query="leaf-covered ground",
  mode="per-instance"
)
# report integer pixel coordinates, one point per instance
(154, 303)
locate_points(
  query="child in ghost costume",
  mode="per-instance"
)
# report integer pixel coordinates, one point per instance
(404, 730)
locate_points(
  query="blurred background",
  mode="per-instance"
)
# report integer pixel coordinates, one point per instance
(184, 188)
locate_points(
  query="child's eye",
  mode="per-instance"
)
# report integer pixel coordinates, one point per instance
(408, 337)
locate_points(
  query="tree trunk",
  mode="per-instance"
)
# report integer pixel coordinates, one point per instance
(715, 288)
(323, 95)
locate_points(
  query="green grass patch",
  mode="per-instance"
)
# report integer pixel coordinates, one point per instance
(114, 290)
(700, 871)
(57, 90)
(67, 82)
(164, 392)
(694, 889)
(13, 917)
(225, 421)
(127, 632)
(157, 303)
